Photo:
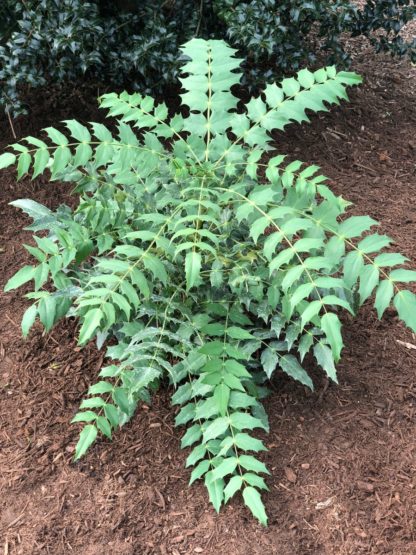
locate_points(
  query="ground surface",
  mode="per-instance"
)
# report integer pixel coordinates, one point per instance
(343, 460)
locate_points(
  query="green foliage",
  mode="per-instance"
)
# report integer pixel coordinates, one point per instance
(123, 42)
(204, 256)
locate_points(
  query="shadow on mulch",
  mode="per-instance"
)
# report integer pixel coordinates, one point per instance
(342, 459)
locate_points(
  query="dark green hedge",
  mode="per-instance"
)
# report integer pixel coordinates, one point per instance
(135, 43)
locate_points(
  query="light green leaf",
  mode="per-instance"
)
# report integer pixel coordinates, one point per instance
(369, 278)
(384, 295)
(100, 387)
(291, 366)
(325, 359)
(253, 501)
(221, 396)
(56, 136)
(121, 399)
(41, 160)
(192, 435)
(24, 275)
(28, 319)
(269, 361)
(251, 463)
(216, 428)
(78, 131)
(305, 344)
(355, 226)
(112, 415)
(291, 276)
(255, 480)
(91, 322)
(104, 426)
(192, 269)
(403, 275)
(313, 308)
(86, 439)
(258, 227)
(197, 454)
(248, 443)
(85, 416)
(227, 466)
(92, 403)
(374, 243)
(305, 78)
(232, 487)
(6, 160)
(331, 325)
(23, 164)
(240, 400)
(137, 277)
(353, 264)
(405, 303)
(238, 333)
(215, 490)
(244, 421)
(214, 329)
(390, 259)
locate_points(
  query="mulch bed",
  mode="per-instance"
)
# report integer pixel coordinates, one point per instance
(342, 459)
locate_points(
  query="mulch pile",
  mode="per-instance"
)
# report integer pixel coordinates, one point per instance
(343, 459)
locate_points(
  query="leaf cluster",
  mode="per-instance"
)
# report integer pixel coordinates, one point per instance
(205, 257)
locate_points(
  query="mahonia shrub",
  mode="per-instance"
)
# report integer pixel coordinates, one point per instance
(125, 42)
(203, 258)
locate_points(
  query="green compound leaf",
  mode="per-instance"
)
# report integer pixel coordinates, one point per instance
(188, 268)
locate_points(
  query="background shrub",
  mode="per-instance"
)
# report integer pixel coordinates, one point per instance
(135, 43)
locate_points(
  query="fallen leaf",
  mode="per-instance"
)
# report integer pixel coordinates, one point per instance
(290, 475)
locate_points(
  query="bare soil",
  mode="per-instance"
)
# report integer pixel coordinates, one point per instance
(343, 459)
